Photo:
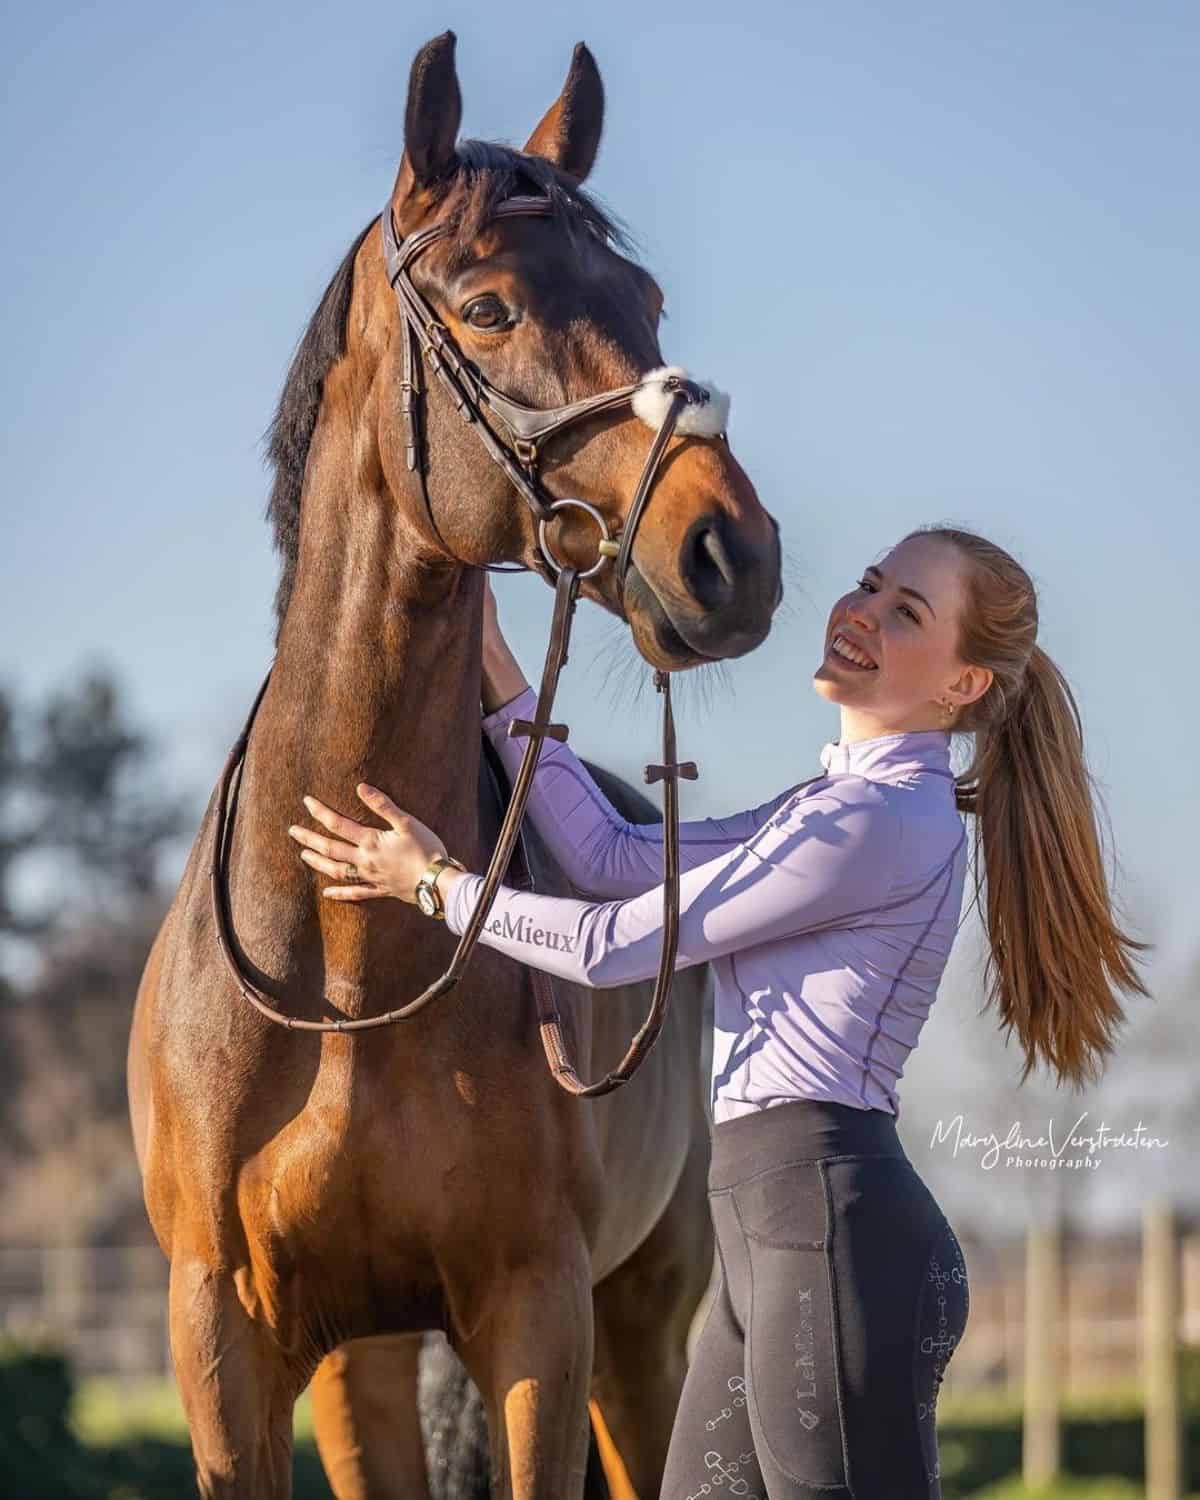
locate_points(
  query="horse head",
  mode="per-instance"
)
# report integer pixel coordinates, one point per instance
(549, 309)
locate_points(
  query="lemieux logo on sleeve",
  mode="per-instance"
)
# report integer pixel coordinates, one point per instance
(521, 930)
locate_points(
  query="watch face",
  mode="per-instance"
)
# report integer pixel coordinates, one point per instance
(426, 900)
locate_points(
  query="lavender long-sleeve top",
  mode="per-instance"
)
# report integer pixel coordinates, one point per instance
(828, 912)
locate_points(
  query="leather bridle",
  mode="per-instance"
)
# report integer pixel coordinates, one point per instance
(516, 448)
(525, 429)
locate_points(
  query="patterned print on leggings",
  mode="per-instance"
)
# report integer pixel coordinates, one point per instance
(945, 1302)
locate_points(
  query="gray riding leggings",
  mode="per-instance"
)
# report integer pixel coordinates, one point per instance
(842, 1295)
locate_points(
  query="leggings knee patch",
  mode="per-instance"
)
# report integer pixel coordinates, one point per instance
(792, 1335)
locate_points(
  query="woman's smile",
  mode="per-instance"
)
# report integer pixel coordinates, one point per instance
(841, 651)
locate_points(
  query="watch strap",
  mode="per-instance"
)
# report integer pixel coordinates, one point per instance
(429, 880)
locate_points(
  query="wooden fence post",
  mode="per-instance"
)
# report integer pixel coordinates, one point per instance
(1160, 1353)
(64, 1282)
(1040, 1436)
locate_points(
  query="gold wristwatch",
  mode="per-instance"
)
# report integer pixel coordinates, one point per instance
(429, 898)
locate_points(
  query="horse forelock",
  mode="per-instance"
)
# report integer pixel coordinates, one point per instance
(489, 173)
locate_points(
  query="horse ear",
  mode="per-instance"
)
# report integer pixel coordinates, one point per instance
(431, 120)
(569, 132)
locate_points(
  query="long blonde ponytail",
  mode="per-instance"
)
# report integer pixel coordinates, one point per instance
(1055, 948)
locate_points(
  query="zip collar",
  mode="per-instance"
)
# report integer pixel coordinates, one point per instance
(891, 757)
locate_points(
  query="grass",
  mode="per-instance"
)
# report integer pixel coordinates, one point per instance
(1064, 1489)
(107, 1412)
(999, 1406)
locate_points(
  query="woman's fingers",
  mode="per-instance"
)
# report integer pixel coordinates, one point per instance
(379, 802)
(336, 869)
(353, 892)
(335, 821)
(339, 869)
(331, 847)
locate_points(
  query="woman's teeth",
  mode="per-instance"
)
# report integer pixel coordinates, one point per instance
(840, 648)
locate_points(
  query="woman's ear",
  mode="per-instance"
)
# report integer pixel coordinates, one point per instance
(971, 684)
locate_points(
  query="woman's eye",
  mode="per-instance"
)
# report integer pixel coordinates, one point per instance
(488, 313)
(865, 583)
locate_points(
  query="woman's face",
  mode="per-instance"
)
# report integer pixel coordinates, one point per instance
(903, 615)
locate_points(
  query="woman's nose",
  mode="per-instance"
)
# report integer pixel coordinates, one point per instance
(861, 617)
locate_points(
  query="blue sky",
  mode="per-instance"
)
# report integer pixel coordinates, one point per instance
(942, 255)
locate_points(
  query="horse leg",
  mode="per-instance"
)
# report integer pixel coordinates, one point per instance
(364, 1400)
(236, 1388)
(644, 1310)
(530, 1353)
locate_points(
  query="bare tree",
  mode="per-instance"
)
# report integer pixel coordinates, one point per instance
(78, 801)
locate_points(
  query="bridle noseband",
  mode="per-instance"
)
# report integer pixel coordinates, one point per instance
(516, 448)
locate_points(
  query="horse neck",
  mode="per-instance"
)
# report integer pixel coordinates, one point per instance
(376, 679)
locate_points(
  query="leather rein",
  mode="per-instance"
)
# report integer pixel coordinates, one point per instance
(516, 449)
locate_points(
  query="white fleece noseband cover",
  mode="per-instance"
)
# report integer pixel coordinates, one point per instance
(652, 401)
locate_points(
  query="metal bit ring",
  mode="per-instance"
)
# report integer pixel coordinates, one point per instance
(604, 545)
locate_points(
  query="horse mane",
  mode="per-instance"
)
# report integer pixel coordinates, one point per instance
(486, 175)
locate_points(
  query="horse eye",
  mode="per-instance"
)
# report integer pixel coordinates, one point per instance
(488, 313)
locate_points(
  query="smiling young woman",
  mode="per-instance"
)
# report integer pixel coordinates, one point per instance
(828, 913)
(951, 621)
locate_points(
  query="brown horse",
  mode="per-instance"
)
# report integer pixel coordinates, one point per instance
(323, 1199)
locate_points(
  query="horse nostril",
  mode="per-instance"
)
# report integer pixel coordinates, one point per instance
(708, 566)
(715, 547)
